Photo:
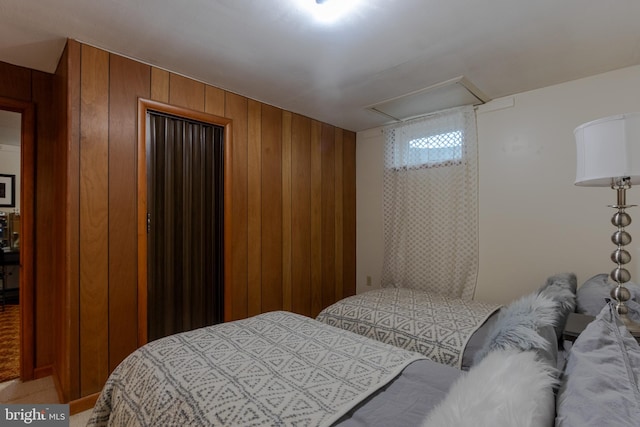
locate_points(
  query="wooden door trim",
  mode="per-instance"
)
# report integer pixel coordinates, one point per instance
(144, 105)
(27, 201)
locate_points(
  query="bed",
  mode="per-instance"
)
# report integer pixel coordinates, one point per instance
(444, 329)
(281, 368)
(277, 368)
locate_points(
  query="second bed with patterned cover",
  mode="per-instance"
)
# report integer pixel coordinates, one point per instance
(439, 327)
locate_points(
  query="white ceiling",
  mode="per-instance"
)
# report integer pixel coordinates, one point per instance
(275, 52)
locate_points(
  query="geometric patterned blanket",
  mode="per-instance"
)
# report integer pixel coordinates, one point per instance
(436, 326)
(273, 369)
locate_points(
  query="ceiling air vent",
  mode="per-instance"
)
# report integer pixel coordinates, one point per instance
(449, 94)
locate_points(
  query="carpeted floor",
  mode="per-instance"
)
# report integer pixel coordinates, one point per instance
(9, 342)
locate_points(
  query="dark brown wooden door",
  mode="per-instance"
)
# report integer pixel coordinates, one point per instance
(185, 280)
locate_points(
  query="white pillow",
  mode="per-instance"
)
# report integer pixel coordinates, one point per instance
(508, 388)
(521, 325)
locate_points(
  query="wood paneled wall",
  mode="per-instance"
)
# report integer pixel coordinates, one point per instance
(292, 201)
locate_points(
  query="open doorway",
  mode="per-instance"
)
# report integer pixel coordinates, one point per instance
(16, 237)
(10, 139)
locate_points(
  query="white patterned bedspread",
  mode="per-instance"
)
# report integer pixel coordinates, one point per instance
(434, 325)
(273, 369)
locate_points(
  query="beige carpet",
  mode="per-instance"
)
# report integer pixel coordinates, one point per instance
(9, 343)
(81, 419)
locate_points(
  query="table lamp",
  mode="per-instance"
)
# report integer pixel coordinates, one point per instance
(608, 154)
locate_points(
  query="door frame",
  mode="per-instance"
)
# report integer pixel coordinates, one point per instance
(27, 201)
(145, 105)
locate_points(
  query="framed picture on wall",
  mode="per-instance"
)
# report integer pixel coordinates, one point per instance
(7, 191)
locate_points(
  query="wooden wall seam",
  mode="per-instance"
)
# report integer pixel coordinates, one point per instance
(339, 211)
(316, 200)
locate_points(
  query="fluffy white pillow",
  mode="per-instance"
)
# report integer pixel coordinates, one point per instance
(562, 289)
(508, 388)
(520, 324)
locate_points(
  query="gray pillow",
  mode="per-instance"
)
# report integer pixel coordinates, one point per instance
(525, 324)
(562, 289)
(601, 380)
(592, 296)
(476, 342)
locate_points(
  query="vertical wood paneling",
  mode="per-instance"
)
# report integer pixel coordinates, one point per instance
(128, 81)
(286, 210)
(349, 213)
(328, 235)
(339, 213)
(187, 93)
(214, 100)
(27, 239)
(236, 110)
(254, 220)
(70, 363)
(292, 218)
(94, 231)
(316, 218)
(271, 208)
(47, 212)
(159, 85)
(301, 214)
(16, 82)
(229, 222)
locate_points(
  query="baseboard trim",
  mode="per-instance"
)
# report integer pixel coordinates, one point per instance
(82, 404)
(58, 384)
(75, 406)
(42, 372)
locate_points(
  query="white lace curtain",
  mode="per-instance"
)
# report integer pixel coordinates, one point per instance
(431, 204)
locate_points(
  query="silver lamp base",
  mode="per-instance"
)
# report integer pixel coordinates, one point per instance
(621, 294)
(620, 256)
(632, 326)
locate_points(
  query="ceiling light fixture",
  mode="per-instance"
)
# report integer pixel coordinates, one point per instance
(328, 11)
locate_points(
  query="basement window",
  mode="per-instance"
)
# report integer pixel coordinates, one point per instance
(443, 149)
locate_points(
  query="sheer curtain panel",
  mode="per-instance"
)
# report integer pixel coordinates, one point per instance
(430, 202)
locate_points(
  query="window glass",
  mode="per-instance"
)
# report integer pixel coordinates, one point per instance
(438, 149)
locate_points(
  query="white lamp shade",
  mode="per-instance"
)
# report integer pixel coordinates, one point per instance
(608, 148)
